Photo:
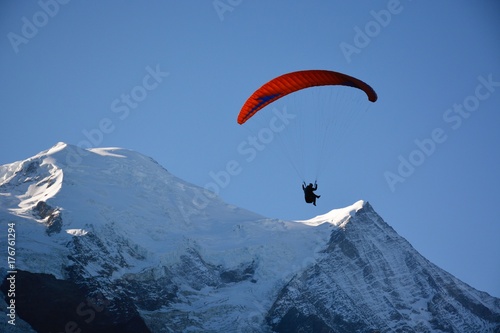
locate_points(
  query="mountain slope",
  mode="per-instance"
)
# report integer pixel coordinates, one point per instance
(162, 255)
(373, 279)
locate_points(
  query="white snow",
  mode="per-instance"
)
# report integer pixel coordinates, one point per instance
(76, 232)
(127, 198)
(106, 152)
(128, 192)
(335, 217)
(118, 190)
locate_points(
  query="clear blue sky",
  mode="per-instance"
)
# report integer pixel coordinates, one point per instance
(190, 65)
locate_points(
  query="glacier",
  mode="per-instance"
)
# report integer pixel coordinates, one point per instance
(162, 255)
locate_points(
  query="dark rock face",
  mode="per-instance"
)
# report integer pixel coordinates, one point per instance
(52, 305)
(149, 290)
(241, 273)
(54, 219)
(296, 322)
(31, 168)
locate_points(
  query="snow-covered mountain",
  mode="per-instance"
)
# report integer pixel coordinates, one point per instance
(107, 240)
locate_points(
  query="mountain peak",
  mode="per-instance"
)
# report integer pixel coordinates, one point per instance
(57, 147)
(337, 217)
(71, 156)
(176, 257)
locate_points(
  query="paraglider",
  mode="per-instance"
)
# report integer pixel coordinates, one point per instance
(328, 118)
(309, 194)
(292, 82)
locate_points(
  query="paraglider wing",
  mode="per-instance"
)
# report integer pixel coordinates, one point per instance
(291, 82)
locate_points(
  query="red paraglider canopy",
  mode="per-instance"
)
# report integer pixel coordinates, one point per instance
(291, 82)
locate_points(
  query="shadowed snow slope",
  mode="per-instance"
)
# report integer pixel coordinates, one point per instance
(176, 258)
